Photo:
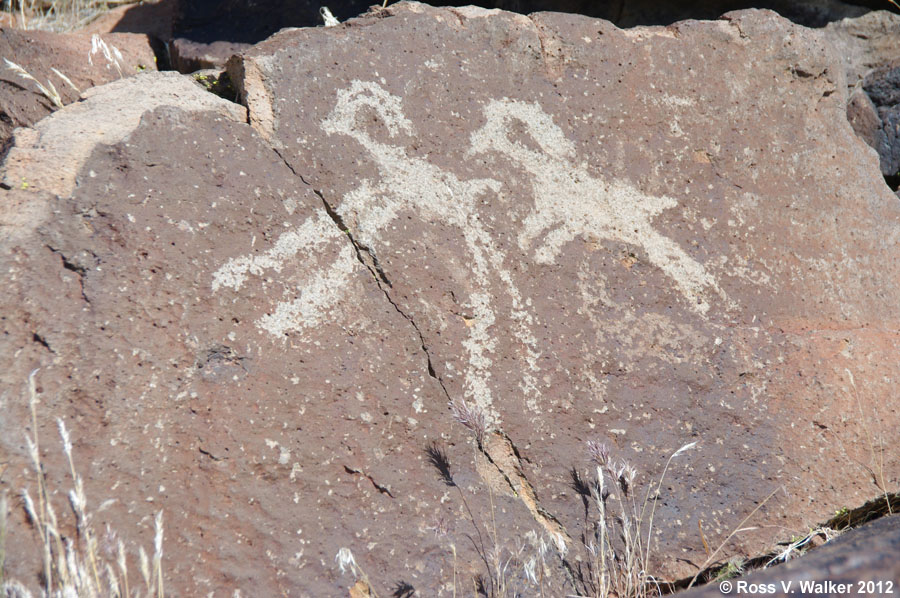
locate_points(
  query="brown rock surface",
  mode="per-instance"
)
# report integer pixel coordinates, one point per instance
(548, 191)
(863, 117)
(152, 18)
(649, 237)
(21, 103)
(864, 42)
(188, 56)
(50, 155)
(266, 457)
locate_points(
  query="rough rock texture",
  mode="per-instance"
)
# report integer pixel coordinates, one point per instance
(882, 85)
(49, 156)
(188, 56)
(261, 454)
(867, 46)
(208, 32)
(152, 18)
(864, 42)
(867, 556)
(547, 191)
(21, 103)
(863, 117)
(649, 237)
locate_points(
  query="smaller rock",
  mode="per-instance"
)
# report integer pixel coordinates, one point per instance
(889, 149)
(864, 42)
(189, 56)
(864, 119)
(39, 52)
(883, 88)
(151, 18)
(883, 84)
(50, 156)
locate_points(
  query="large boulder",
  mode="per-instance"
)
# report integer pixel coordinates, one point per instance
(208, 32)
(250, 21)
(254, 450)
(537, 192)
(650, 237)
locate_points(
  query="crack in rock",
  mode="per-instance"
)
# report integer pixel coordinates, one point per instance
(380, 487)
(366, 257)
(500, 453)
(41, 340)
(79, 270)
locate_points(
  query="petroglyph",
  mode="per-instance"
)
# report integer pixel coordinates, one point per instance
(318, 293)
(569, 201)
(434, 194)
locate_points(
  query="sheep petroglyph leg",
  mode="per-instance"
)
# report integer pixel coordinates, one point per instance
(435, 195)
(570, 201)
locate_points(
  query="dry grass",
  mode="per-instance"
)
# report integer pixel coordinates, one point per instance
(75, 566)
(619, 538)
(613, 559)
(49, 90)
(58, 15)
(109, 52)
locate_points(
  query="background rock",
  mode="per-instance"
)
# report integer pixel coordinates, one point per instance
(864, 42)
(189, 56)
(867, 46)
(51, 155)
(883, 87)
(150, 18)
(247, 21)
(200, 24)
(21, 103)
(863, 117)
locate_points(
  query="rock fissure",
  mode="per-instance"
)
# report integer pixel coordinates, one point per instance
(209, 454)
(370, 262)
(380, 487)
(363, 252)
(39, 339)
(69, 265)
(545, 54)
(501, 453)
